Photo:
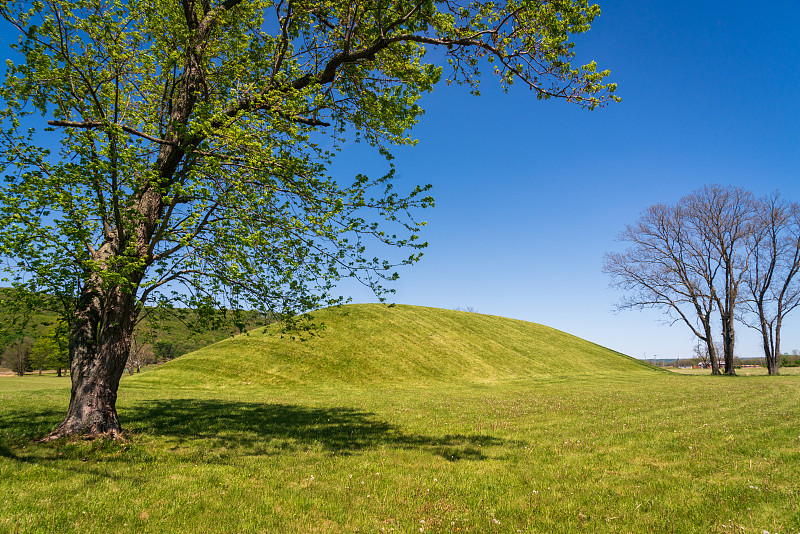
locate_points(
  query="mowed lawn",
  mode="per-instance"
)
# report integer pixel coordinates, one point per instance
(621, 452)
(743, 371)
(673, 453)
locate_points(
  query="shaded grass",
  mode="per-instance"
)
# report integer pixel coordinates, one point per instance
(279, 428)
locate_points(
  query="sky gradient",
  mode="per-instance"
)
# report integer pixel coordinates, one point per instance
(530, 195)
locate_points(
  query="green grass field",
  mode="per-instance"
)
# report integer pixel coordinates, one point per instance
(744, 371)
(409, 420)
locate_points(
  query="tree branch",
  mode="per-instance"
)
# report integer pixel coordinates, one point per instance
(98, 124)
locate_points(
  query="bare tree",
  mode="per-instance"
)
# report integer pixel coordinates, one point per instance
(17, 355)
(702, 356)
(773, 287)
(141, 353)
(718, 249)
(667, 267)
(723, 218)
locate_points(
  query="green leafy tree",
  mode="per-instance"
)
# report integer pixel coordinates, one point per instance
(59, 358)
(788, 360)
(164, 351)
(194, 139)
(40, 353)
(17, 328)
(51, 349)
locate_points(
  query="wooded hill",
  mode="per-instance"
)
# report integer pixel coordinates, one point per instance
(169, 334)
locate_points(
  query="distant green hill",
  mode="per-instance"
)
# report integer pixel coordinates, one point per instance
(373, 343)
(169, 328)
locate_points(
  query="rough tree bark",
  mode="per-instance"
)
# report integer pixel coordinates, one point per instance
(99, 347)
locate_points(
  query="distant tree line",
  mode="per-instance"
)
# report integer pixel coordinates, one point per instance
(718, 257)
(786, 360)
(50, 351)
(34, 334)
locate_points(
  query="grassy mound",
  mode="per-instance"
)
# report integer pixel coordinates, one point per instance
(406, 420)
(373, 343)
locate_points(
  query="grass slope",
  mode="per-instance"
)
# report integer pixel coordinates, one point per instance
(373, 344)
(482, 425)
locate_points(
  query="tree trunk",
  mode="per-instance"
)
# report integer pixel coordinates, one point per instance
(712, 355)
(98, 347)
(774, 363)
(101, 337)
(727, 343)
(770, 355)
(58, 371)
(770, 352)
(712, 351)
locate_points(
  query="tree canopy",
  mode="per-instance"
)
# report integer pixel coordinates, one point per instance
(178, 151)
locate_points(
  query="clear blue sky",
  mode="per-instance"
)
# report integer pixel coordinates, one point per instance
(530, 195)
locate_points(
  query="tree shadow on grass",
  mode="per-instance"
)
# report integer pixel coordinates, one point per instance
(259, 429)
(20, 428)
(25, 425)
(213, 430)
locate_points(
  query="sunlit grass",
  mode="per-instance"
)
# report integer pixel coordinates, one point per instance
(373, 344)
(744, 371)
(623, 452)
